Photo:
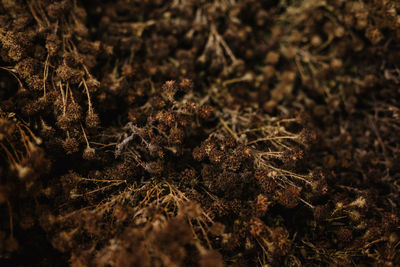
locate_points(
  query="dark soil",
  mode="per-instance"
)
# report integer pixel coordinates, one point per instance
(199, 133)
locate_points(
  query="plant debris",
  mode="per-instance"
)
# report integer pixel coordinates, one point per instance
(199, 133)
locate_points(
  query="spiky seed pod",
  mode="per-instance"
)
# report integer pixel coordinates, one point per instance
(70, 145)
(92, 120)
